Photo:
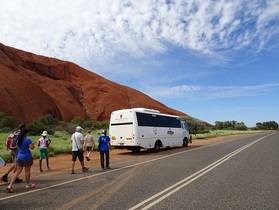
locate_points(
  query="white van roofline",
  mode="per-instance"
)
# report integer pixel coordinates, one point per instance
(140, 109)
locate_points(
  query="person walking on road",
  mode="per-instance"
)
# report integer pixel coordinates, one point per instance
(89, 144)
(24, 159)
(14, 151)
(77, 141)
(104, 147)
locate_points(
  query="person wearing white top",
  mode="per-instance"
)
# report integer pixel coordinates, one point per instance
(77, 141)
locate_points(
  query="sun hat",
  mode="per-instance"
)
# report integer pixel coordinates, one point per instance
(79, 129)
(44, 133)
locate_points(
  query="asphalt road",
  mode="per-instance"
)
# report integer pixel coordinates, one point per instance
(239, 172)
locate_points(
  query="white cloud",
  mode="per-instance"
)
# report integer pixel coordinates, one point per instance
(88, 32)
(196, 92)
(155, 46)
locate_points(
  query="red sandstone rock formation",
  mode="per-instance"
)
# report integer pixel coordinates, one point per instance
(33, 86)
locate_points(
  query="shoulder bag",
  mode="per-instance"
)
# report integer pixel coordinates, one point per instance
(79, 150)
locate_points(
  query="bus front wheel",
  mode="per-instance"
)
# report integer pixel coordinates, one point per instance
(185, 142)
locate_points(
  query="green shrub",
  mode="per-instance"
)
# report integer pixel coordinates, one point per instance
(36, 128)
(7, 122)
(49, 120)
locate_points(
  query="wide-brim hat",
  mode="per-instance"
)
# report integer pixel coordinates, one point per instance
(79, 129)
(44, 133)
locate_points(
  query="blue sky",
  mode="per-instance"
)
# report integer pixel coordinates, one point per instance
(215, 60)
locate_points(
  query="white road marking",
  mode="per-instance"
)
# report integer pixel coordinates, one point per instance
(110, 171)
(174, 188)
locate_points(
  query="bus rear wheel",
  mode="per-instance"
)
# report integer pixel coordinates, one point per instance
(157, 146)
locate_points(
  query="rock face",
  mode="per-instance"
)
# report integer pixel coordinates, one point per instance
(33, 86)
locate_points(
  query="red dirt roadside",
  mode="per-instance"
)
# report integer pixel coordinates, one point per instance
(61, 163)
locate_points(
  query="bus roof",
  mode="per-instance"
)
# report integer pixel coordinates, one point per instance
(139, 109)
(146, 110)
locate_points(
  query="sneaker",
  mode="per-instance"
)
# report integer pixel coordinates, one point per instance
(29, 186)
(73, 172)
(87, 158)
(18, 180)
(10, 189)
(41, 170)
(48, 168)
(84, 169)
(108, 167)
(4, 178)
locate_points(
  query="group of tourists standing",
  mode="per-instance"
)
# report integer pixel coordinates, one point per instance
(22, 156)
(79, 143)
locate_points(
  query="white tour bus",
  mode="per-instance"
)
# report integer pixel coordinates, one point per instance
(139, 128)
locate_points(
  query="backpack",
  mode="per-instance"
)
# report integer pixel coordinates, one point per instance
(12, 140)
(9, 141)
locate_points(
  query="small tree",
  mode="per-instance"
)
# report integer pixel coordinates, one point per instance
(7, 122)
(241, 126)
(37, 127)
(195, 126)
(77, 121)
(49, 120)
(219, 125)
(271, 125)
(89, 124)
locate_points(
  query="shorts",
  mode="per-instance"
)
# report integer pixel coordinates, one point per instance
(43, 151)
(14, 153)
(89, 149)
(78, 154)
(24, 163)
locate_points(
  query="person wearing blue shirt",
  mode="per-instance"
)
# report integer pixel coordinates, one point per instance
(104, 147)
(24, 159)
